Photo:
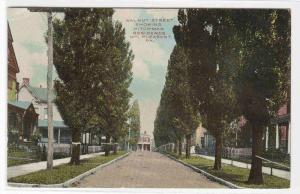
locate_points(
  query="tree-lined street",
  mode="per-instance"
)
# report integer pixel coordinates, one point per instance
(225, 79)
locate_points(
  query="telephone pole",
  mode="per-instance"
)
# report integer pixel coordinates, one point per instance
(49, 79)
(50, 91)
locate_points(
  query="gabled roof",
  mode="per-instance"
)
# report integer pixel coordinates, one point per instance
(56, 124)
(39, 93)
(20, 104)
(12, 55)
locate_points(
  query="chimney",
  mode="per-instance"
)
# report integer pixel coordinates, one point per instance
(26, 81)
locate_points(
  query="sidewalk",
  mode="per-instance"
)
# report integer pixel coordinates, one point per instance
(267, 170)
(14, 171)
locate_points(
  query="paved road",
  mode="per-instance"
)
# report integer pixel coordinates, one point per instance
(147, 170)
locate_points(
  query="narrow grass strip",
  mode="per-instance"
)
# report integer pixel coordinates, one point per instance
(64, 172)
(235, 175)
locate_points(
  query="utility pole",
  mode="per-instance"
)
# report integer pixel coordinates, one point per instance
(49, 79)
(50, 91)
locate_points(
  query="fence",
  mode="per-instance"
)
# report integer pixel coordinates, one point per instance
(235, 153)
(66, 149)
(273, 164)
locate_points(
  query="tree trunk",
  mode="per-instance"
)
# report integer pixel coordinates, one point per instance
(176, 146)
(75, 157)
(255, 176)
(218, 152)
(107, 146)
(115, 146)
(179, 148)
(100, 139)
(188, 146)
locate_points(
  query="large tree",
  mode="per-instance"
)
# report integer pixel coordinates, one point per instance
(111, 94)
(73, 62)
(93, 62)
(207, 36)
(177, 110)
(264, 76)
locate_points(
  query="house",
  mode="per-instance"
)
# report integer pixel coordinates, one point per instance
(202, 138)
(282, 124)
(13, 69)
(22, 121)
(22, 118)
(278, 134)
(38, 96)
(144, 142)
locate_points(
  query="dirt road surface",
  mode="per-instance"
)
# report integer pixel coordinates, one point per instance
(144, 169)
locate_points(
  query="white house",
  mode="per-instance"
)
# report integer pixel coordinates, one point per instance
(144, 142)
(38, 97)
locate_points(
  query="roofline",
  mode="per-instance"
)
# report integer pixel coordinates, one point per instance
(14, 54)
(23, 85)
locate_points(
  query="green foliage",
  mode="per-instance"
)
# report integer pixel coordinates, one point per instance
(237, 56)
(236, 175)
(207, 36)
(134, 122)
(176, 115)
(93, 62)
(264, 71)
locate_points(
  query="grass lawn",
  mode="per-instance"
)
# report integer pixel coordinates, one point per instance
(234, 174)
(64, 172)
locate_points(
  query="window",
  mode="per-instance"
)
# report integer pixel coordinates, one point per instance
(45, 113)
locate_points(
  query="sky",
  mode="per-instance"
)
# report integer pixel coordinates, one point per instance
(149, 64)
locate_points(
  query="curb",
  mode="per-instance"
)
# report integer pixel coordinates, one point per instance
(208, 175)
(69, 182)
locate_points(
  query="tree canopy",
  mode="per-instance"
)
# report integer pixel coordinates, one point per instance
(93, 62)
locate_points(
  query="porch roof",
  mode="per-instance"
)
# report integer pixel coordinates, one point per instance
(20, 104)
(56, 124)
(281, 119)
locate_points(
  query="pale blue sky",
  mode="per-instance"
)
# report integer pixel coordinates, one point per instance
(149, 66)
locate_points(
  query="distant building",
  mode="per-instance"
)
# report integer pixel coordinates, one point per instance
(38, 96)
(144, 142)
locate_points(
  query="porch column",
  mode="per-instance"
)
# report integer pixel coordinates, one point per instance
(277, 136)
(267, 138)
(289, 138)
(58, 136)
